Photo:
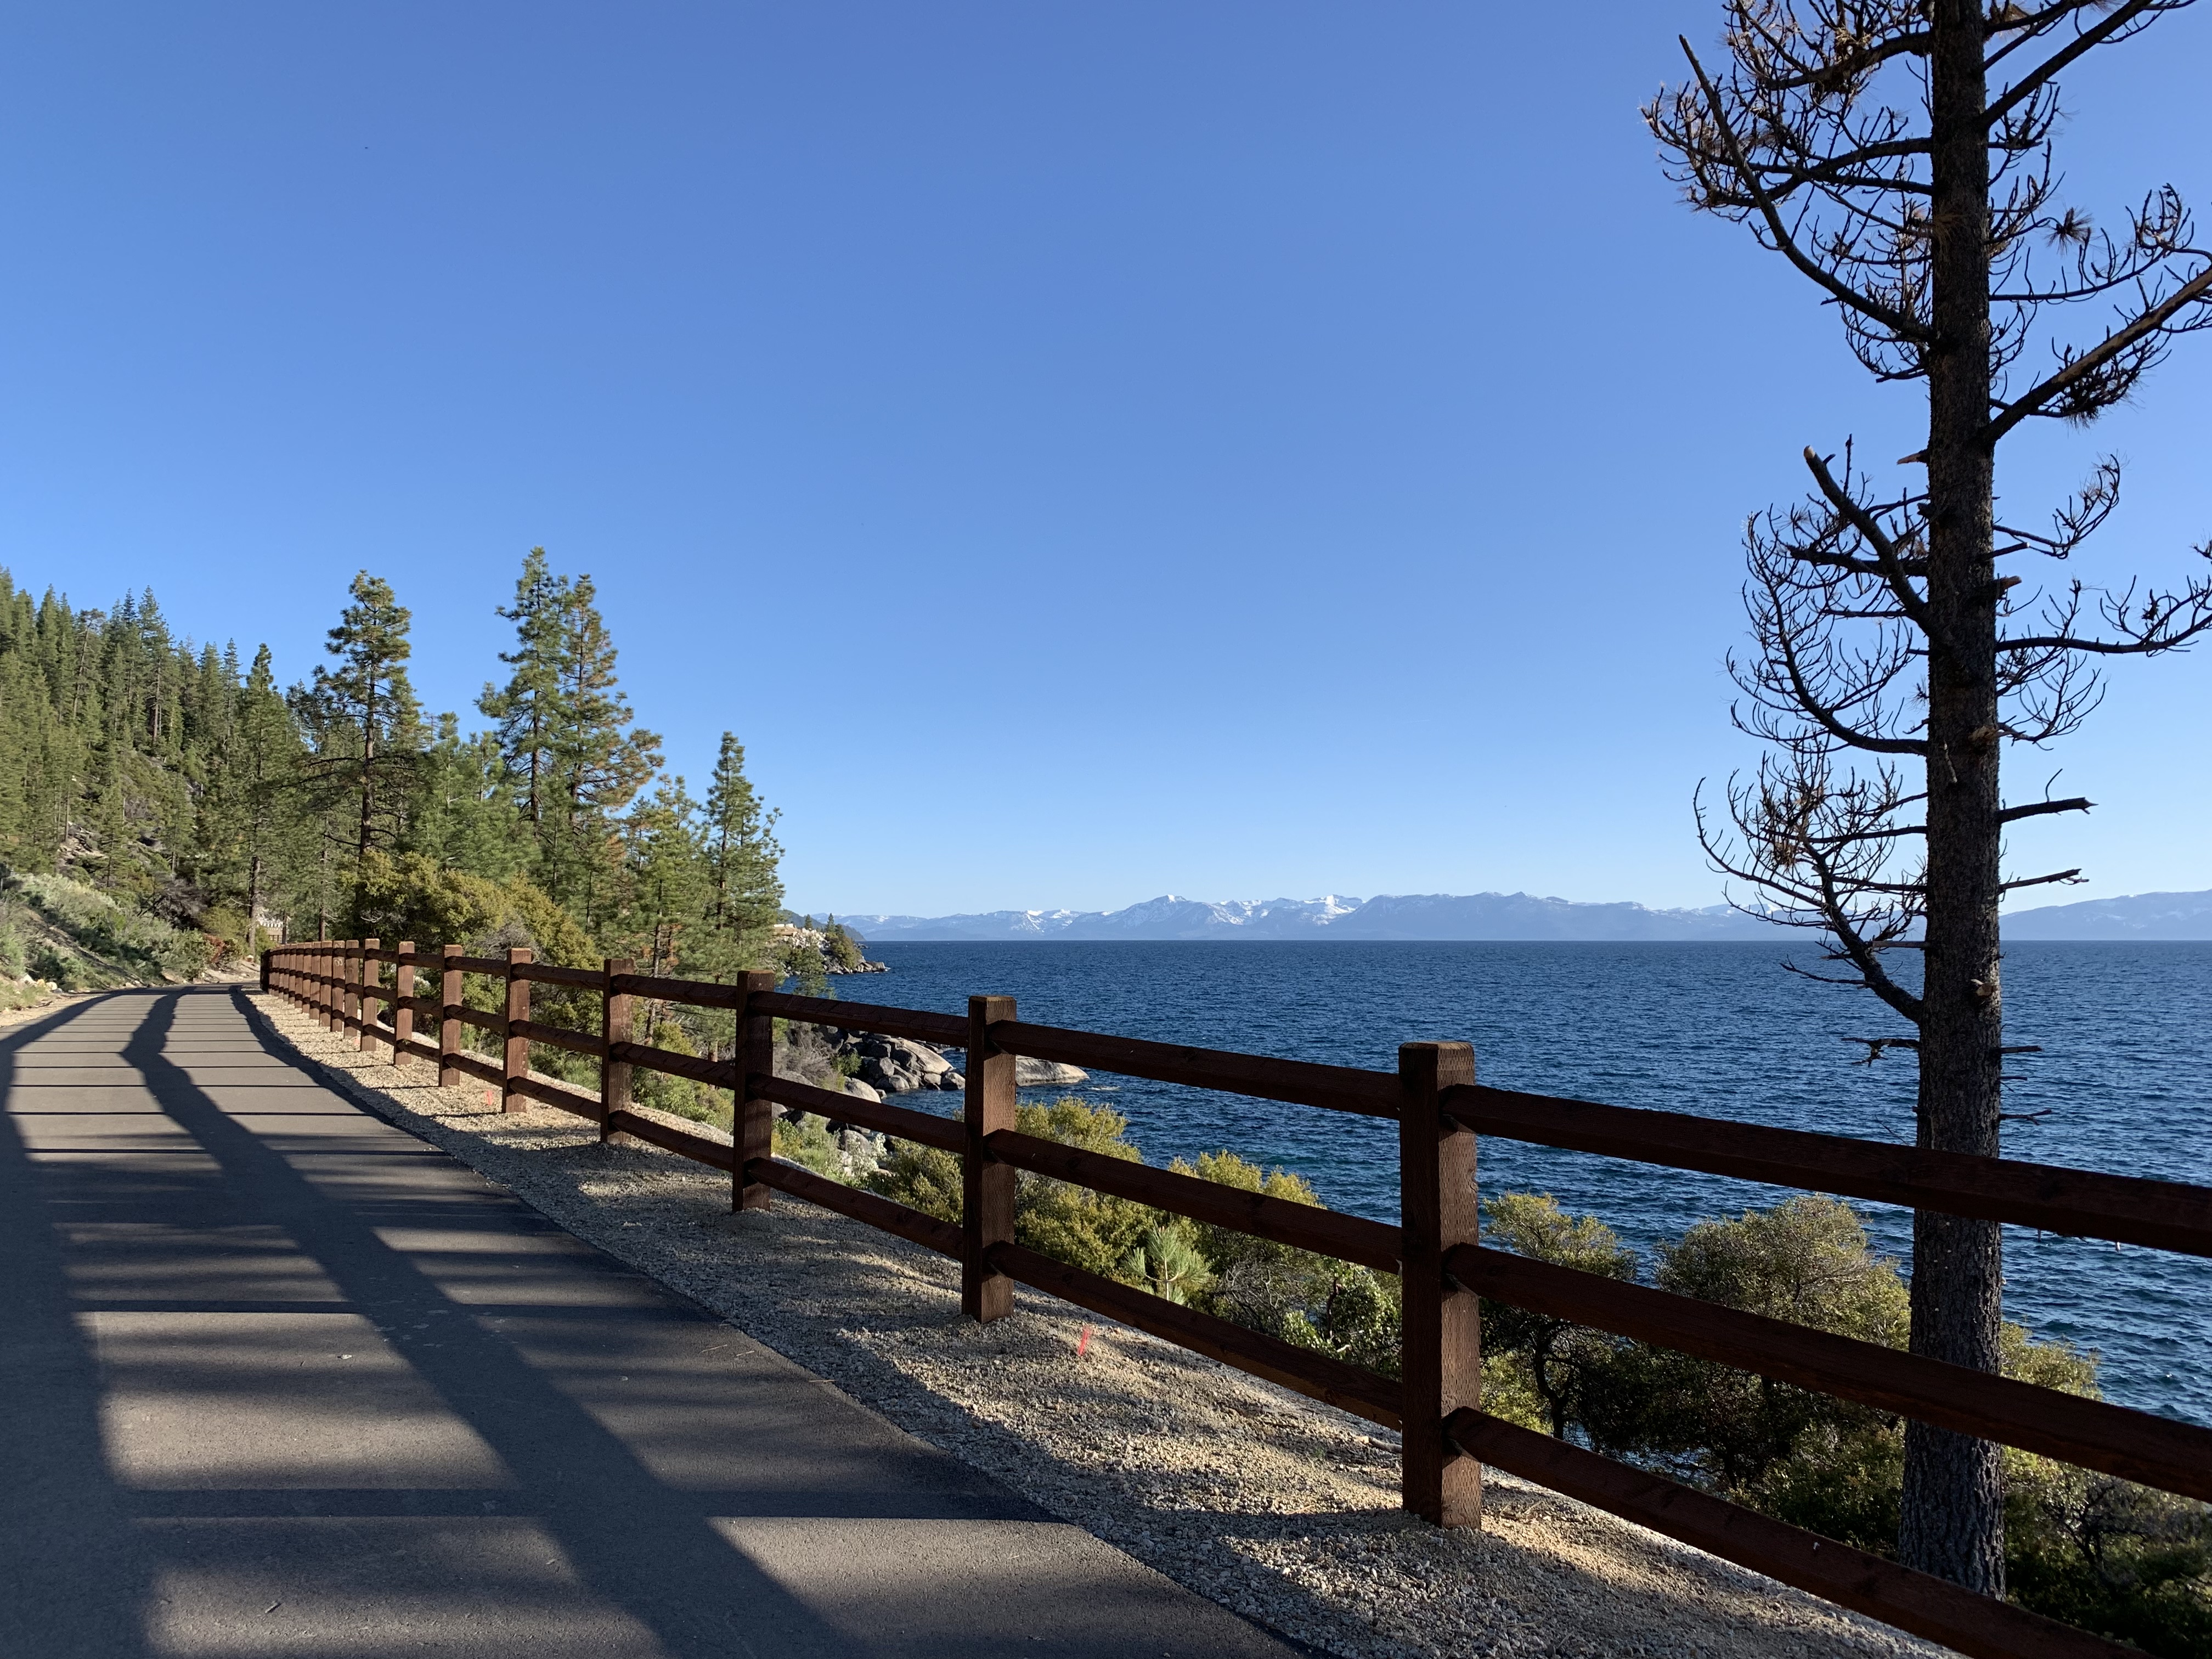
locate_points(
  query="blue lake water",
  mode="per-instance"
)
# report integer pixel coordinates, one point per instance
(2126, 1076)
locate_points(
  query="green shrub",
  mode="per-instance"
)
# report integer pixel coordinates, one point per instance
(2124, 1560)
(922, 1178)
(1169, 1264)
(1224, 1248)
(107, 927)
(1089, 1229)
(57, 968)
(1561, 1363)
(807, 1142)
(1361, 1319)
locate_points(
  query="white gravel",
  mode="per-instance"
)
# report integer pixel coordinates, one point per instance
(1280, 1508)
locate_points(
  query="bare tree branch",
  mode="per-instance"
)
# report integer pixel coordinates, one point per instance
(1888, 317)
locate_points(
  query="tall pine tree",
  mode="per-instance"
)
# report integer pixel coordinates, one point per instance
(368, 723)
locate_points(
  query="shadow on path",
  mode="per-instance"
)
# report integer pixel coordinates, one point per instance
(285, 1379)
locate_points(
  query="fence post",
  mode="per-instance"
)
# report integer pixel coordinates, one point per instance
(350, 1014)
(326, 965)
(449, 1028)
(1442, 1354)
(518, 1049)
(403, 1011)
(370, 976)
(753, 1116)
(986, 1185)
(614, 1027)
(266, 964)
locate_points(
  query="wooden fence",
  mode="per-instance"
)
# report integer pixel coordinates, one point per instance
(1436, 1248)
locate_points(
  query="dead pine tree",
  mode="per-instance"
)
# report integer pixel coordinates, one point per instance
(1899, 154)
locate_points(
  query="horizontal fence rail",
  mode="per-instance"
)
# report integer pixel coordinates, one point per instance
(2164, 1215)
(1444, 1268)
(2113, 1439)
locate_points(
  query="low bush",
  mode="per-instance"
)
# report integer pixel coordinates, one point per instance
(106, 928)
(807, 1142)
(2123, 1560)
(1089, 1229)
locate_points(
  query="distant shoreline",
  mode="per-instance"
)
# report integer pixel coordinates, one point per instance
(1488, 918)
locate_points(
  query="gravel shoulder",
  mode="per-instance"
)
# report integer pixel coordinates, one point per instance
(1277, 1507)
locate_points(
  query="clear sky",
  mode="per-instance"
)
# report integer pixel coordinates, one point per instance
(1084, 452)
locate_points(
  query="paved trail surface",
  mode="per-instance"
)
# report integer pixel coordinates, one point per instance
(281, 1380)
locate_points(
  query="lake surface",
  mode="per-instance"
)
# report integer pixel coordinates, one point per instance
(2125, 1078)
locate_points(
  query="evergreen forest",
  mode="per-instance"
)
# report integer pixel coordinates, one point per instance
(165, 804)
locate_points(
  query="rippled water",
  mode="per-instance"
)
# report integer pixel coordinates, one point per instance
(2126, 1076)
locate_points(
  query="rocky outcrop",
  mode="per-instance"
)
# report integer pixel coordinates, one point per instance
(876, 1065)
(896, 1066)
(1030, 1073)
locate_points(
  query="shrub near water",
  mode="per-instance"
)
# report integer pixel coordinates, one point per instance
(1093, 1230)
(2121, 1559)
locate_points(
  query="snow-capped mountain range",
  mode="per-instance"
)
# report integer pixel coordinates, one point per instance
(1488, 916)
(1412, 916)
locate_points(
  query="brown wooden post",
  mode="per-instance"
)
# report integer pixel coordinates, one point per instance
(753, 1117)
(326, 965)
(518, 1049)
(986, 1185)
(403, 1012)
(370, 976)
(449, 1029)
(268, 963)
(614, 1029)
(349, 1015)
(1443, 1353)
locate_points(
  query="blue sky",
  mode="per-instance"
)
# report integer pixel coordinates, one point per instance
(1084, 452)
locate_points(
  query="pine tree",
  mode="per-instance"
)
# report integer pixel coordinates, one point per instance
(266, 755)
(526, 712)
(665, 863)
(599, 764)
(369, 724)
(464, 814)
(741, 856)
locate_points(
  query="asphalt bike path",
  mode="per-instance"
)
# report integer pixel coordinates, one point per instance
(280, 1380)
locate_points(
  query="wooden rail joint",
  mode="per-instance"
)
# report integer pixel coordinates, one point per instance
(986, 1185)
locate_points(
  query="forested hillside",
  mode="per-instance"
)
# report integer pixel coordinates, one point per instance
(210, 808)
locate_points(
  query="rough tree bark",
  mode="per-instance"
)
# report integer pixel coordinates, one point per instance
(1955, 1498)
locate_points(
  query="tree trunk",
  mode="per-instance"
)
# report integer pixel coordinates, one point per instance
(367, 788)
(1952, 1522)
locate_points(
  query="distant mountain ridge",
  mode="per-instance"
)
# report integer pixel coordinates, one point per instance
(1498, 917)
(2142, 916)
(1399, 916)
